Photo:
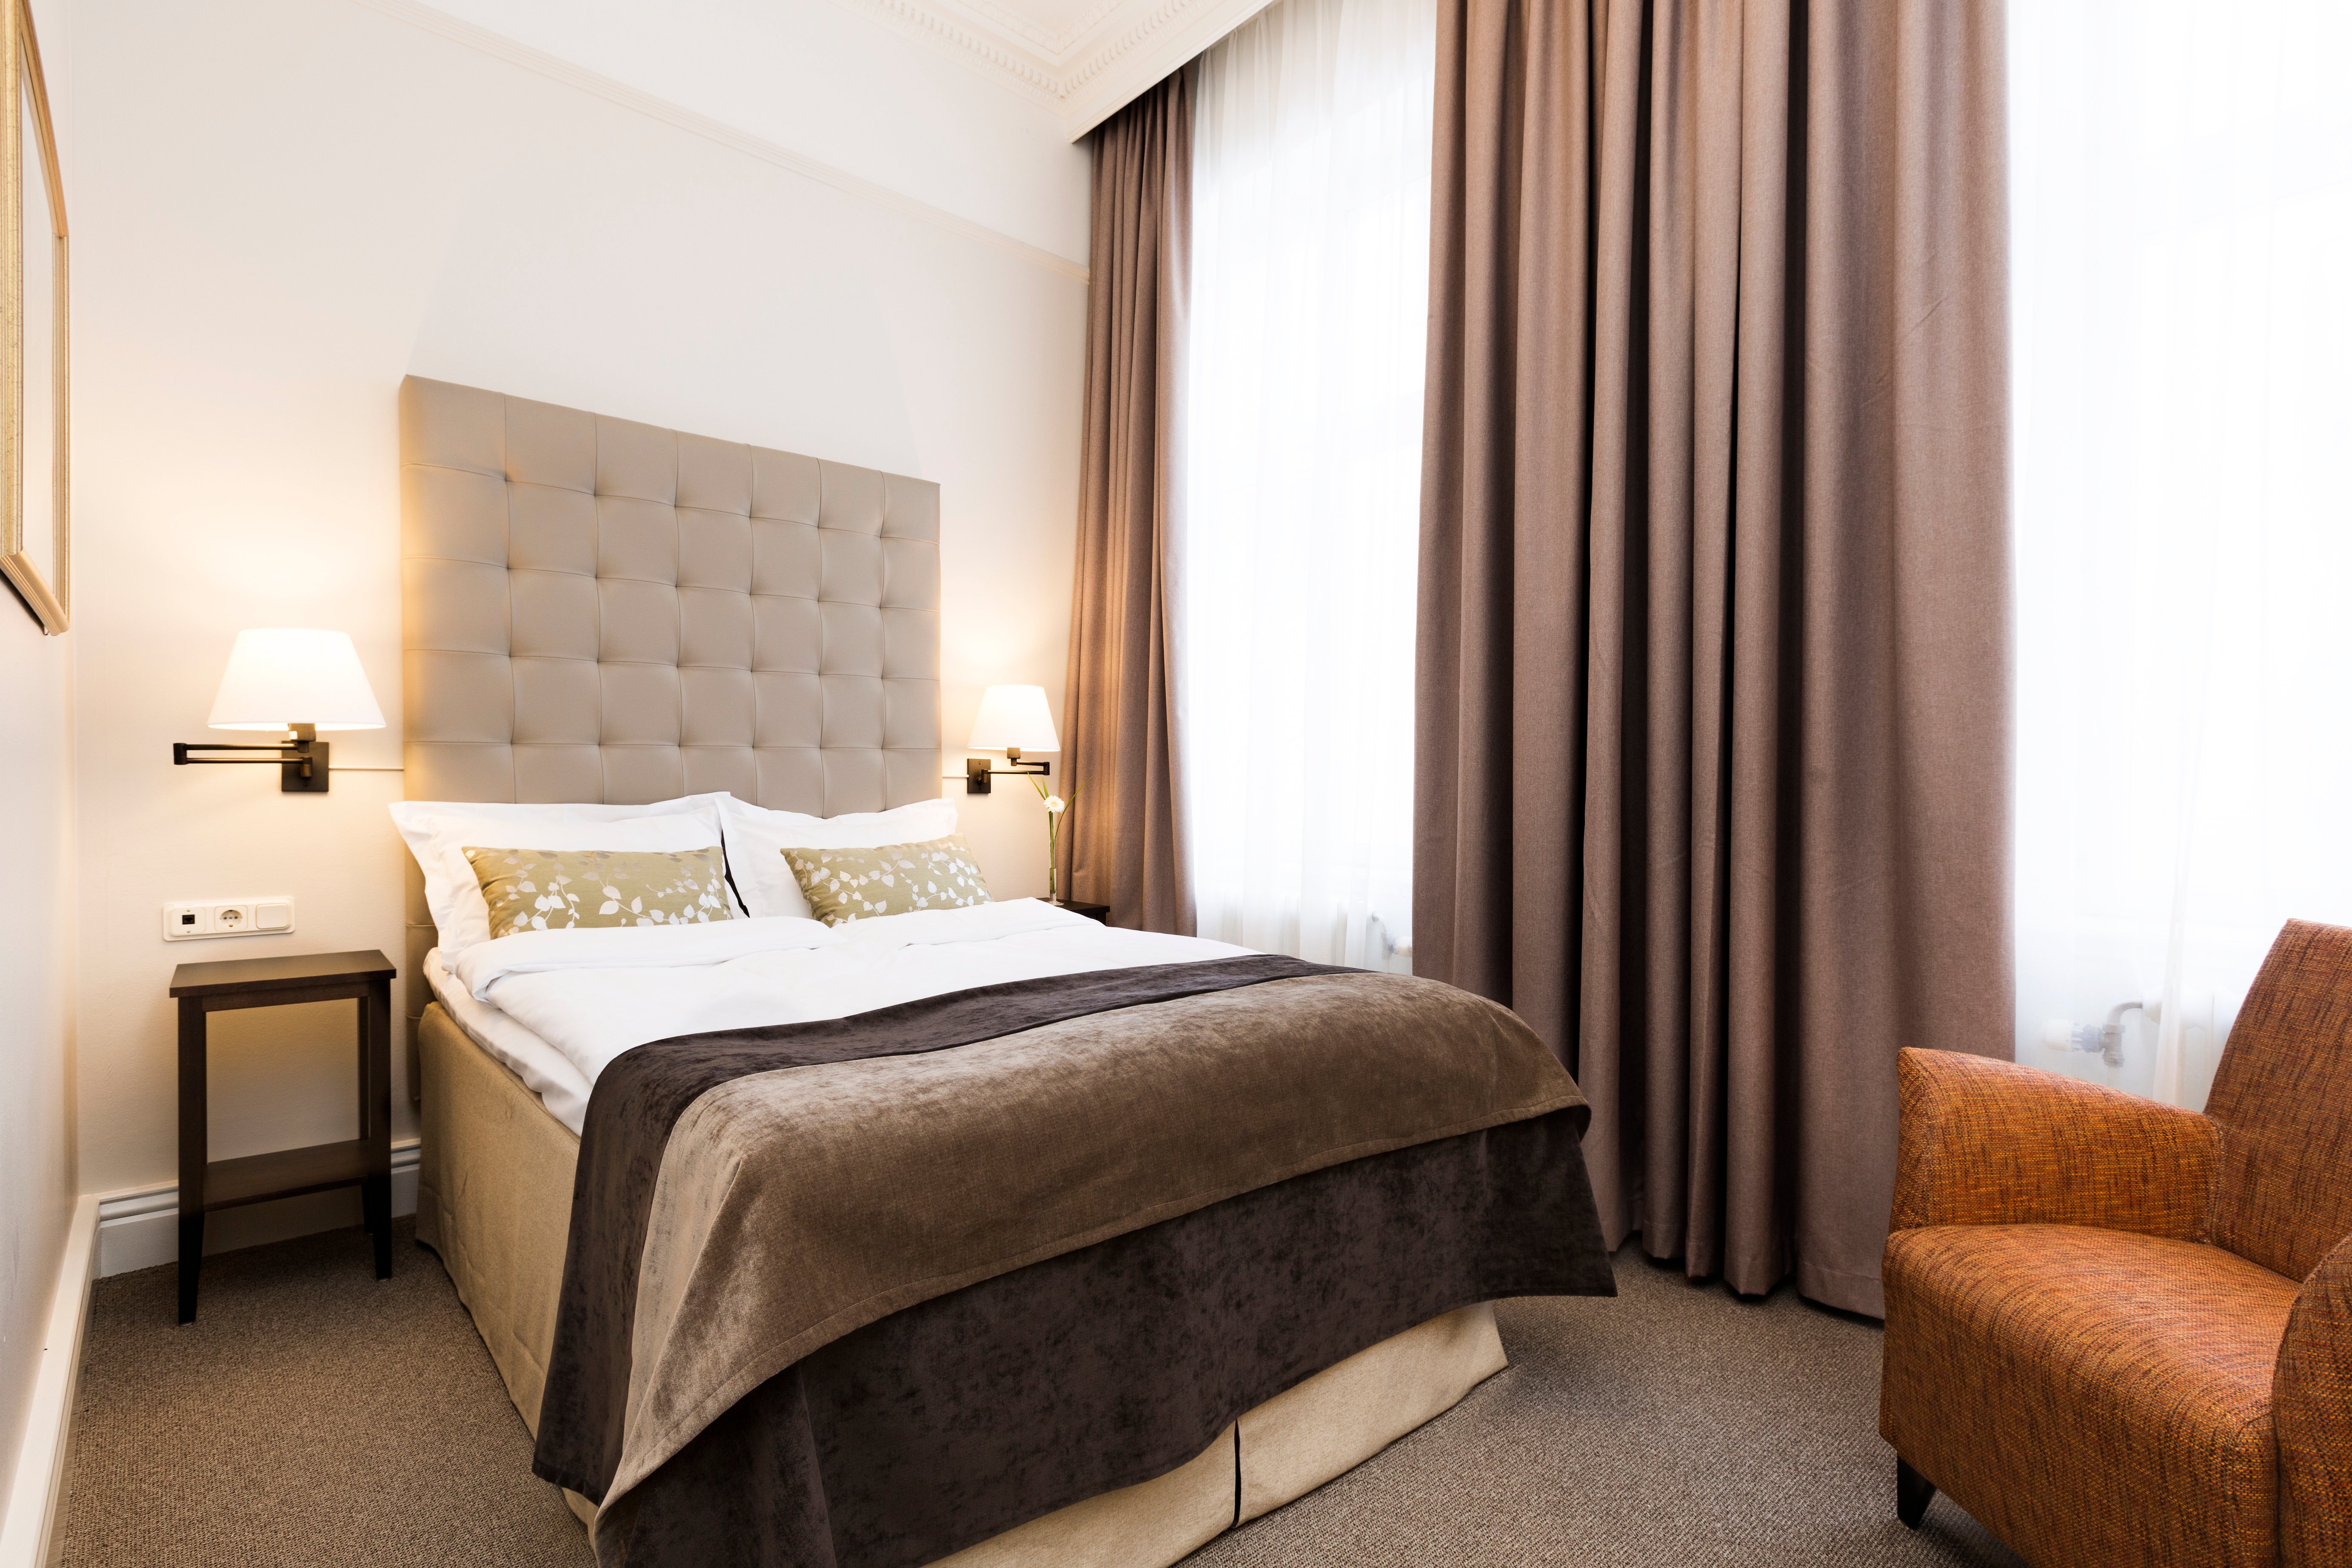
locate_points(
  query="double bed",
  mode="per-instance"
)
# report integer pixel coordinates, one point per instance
(986, 1235)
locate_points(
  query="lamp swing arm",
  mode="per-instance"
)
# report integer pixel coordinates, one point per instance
(274, 753)
(180, 749)
(302, 757)
(979, 771)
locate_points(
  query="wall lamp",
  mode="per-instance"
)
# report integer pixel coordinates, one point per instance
(1012, 720)
(298, 681)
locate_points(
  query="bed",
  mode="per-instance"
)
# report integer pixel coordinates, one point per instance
(755, 1218)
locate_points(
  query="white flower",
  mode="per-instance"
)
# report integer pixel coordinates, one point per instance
(1056, 804)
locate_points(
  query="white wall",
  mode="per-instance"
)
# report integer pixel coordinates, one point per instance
(36, 931)
(281, 208)
(803, 73)
(37, 1177)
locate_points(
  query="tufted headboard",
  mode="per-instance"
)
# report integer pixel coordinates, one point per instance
(598, 610)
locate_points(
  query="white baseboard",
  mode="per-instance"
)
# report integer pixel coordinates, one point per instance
(140, 1227)
(40, 1482)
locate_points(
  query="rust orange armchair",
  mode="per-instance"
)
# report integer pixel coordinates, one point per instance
(2121, 1332)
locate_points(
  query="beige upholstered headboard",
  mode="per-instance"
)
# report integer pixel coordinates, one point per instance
(598, 610)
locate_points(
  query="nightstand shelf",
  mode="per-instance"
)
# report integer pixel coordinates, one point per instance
(208, 1185)
(284, 1173)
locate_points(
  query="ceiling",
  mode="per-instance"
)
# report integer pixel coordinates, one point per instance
(1082, 59)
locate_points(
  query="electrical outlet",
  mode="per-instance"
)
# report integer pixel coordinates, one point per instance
(241, 917)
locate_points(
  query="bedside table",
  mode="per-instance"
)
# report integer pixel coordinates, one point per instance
(1092, 911)
(204, 989)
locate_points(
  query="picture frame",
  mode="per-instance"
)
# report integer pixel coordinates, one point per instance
(35, 406)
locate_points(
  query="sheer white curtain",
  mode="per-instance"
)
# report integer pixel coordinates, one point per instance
(2183, 296)
(1296, 546)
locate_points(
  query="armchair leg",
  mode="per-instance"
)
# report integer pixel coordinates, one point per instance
(1912, 1491)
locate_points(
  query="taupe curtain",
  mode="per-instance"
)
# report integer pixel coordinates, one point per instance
(1124, 843)
(1712, 699)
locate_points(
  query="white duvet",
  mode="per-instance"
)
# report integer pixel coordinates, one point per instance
(588, 996)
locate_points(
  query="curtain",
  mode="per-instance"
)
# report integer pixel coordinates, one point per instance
(1294, 558)
(1125, 842)
(1712, 701)
(2183, 201)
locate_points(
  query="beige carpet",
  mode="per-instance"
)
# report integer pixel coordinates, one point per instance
(311, 1416)
(1675, 1425)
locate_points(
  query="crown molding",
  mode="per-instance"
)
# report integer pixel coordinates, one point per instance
(1085, 74)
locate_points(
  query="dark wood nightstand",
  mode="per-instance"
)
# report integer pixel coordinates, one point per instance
(1092, 911)
(365, 1162)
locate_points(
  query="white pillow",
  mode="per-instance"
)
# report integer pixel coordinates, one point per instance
(437, 831)
(757, 839)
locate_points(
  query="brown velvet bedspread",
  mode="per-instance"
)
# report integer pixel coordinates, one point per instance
(746, 1200)
(951, 1421)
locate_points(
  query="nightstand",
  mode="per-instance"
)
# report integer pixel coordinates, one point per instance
(1092, 911)
(365, 1162)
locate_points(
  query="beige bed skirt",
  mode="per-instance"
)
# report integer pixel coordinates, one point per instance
(494, 1199)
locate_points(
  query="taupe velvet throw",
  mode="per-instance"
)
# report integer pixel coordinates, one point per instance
(1711, 701)
(745, 1198)
(1126, 839)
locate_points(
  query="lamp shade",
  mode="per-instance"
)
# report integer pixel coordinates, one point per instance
(279, 675)
(1014, 719)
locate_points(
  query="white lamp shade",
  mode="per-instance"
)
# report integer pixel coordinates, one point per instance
(1014, 719)
(279, 675)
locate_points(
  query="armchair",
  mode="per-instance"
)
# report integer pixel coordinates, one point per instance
(2121, 1332)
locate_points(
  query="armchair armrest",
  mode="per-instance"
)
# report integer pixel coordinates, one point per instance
(2310, 1410)
(1992, 1143)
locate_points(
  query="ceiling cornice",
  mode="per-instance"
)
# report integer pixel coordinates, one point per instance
(1086, 74)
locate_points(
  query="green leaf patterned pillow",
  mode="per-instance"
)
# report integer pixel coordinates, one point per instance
(565, 889)
(843, 885)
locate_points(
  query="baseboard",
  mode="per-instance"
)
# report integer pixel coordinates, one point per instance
(140, 1227)
(40, 1482)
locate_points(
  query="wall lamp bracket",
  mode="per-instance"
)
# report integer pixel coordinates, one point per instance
(980, 773)
(301, 759)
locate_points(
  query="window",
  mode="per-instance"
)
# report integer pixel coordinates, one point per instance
(2181, 233)
(1295, 556)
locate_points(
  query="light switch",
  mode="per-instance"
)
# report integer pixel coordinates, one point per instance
(274, 915)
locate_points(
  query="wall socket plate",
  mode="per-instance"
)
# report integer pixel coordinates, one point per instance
(233, 917)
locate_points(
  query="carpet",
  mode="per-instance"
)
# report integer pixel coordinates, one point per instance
(313, 1416)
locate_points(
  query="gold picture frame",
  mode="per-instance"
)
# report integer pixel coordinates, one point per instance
(46, 588)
